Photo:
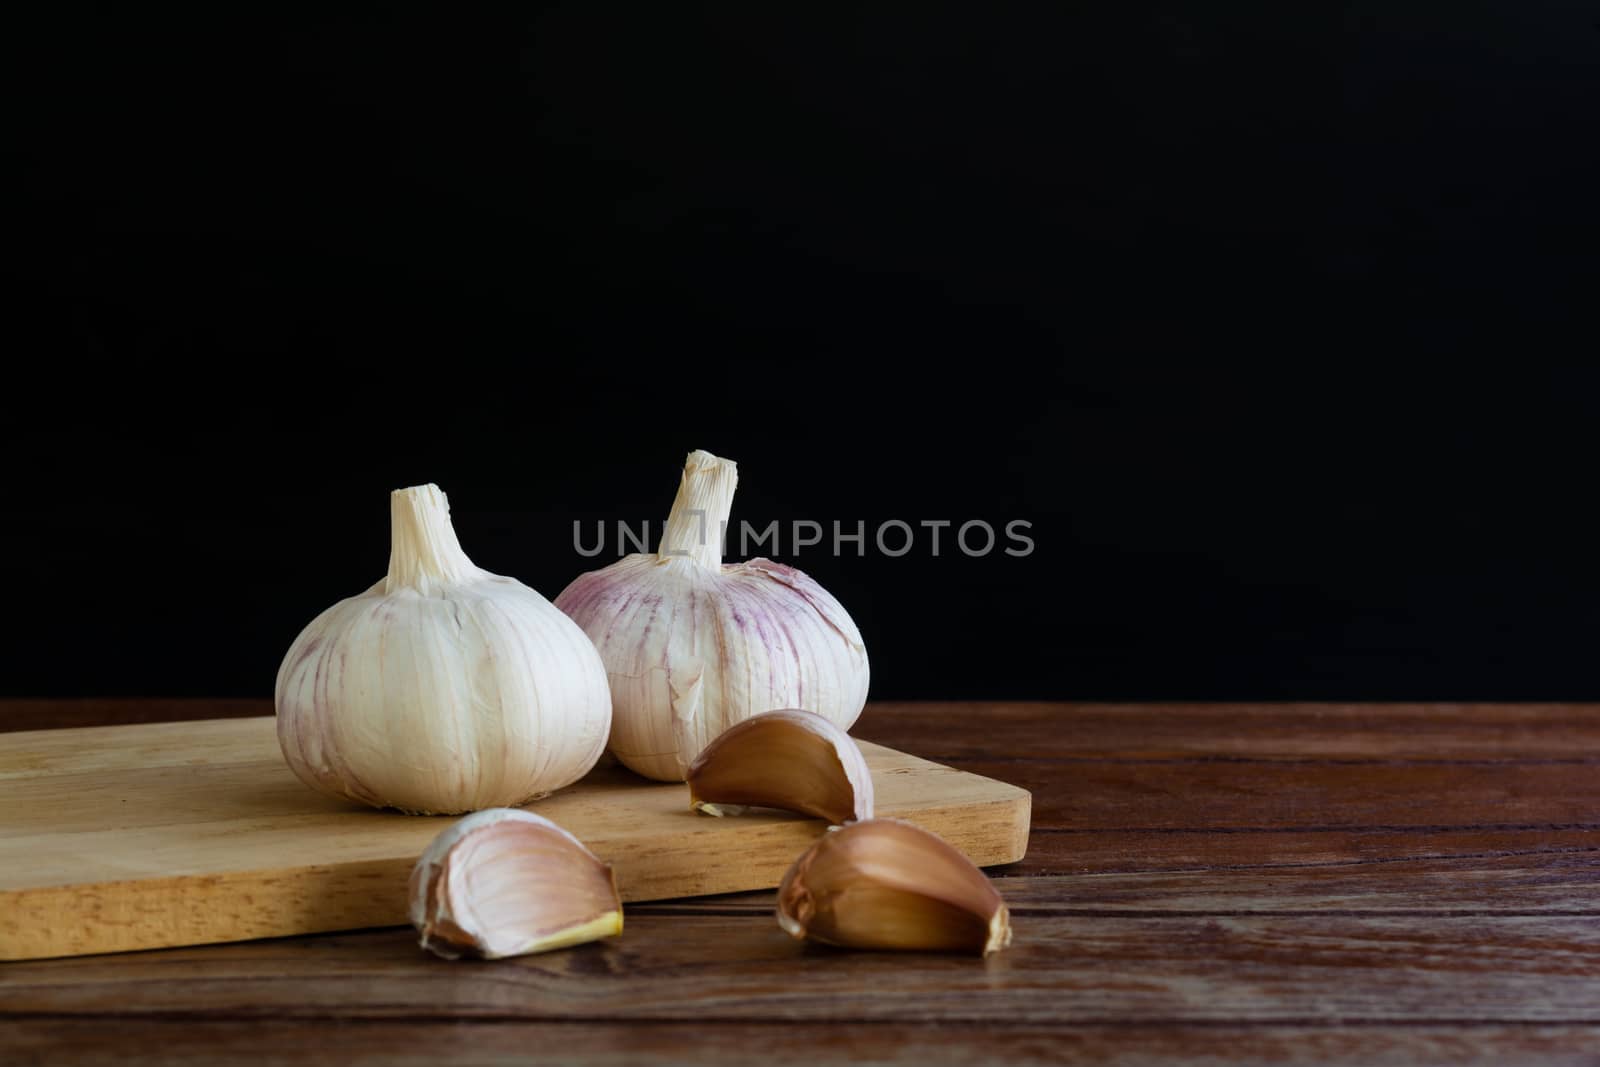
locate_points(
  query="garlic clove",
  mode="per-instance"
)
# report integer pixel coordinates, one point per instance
(886, 884)
(789, 759)
(504, 882)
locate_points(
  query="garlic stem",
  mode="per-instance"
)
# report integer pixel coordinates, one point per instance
(699, 516)
(424, 553)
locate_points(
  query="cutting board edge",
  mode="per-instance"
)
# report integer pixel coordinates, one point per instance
(368, 894)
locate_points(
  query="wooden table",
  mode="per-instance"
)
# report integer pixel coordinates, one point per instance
(1299, 883)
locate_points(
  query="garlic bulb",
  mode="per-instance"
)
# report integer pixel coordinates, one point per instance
(693, 645)
(443, 688)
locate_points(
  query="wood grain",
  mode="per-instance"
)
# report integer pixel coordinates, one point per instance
(1213, 968)
(296, 1042)
(1297, 733)
(1276, 796)
(208, 837)
(1072, 852)
(1352, 884)
(1508, 944)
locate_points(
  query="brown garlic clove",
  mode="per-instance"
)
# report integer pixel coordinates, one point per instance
(789, 759)
(504, 882)
(891, 885)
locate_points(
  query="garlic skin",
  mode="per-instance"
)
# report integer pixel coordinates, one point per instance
(692, 645)
(504, 882)
(789, 759)
(443, 688)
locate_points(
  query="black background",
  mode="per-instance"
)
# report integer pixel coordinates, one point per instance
(1250, 310)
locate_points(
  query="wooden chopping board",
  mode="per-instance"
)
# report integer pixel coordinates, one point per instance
(130, 837)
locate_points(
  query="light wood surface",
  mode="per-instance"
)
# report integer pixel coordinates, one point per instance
(129, 837)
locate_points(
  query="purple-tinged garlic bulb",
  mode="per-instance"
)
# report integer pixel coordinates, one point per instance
(443, 688)
(692, 645)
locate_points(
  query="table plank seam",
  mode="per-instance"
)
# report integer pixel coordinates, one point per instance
(987, 1022)
(1335, 828)
(1280, 761)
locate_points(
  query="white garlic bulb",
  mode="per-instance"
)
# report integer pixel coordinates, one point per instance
(693, 646)
(443, 688)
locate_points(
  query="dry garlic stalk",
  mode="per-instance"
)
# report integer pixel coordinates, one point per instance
(693, 645)
(789, 759)
(509, 883)
(888, 884)
(443, 688)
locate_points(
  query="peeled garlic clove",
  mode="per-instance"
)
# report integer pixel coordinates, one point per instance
(504, 882)
(443, 688)
(693, 646)
(888, 884)
(789, 759)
